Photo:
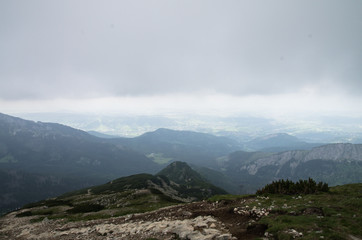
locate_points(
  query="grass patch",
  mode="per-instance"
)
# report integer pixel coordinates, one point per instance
(24, 214)
(35, 220)
(43, 212)
(336, 214)
(57, 202)
(229, 197)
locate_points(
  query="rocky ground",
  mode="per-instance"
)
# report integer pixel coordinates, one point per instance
(333, 215)
(226, 219)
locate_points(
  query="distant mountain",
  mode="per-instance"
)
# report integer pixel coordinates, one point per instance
(165, 145)
(278, 142)
(335, 164)
(49, 155)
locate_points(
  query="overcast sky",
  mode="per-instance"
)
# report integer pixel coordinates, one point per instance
(277, 57)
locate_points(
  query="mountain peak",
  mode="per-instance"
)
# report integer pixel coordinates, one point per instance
(180, 173)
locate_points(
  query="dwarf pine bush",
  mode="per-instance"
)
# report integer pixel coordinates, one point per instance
(290, 188)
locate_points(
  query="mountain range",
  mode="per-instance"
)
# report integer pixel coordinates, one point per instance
(41, 160)
(335, 164)
(164, 145)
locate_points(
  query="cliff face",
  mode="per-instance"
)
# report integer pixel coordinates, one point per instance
(338, 152)
(336, 164)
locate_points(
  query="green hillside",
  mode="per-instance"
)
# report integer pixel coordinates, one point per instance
(336, 214)
(191, 181)
(132, 194)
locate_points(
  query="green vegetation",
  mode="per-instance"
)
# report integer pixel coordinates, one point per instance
(336, 214)
(127, 195)
(288, 187)
(86, 207)
(49, 203)
(317, 214)
(25, 214)
(138, 181)
(229, 197)
(191, 182)
(90, 206)
(330, 215)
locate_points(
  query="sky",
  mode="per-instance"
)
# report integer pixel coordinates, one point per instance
(277, 57)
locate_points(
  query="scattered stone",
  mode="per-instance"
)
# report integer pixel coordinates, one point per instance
(187, 213)
(226, 236)
(294, 233)
(313, 211)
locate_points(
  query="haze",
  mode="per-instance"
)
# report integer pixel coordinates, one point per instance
(272, 58)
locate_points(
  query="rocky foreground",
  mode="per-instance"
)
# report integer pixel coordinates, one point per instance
(201, 220)
(336, 214)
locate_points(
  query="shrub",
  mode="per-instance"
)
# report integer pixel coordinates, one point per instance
(24, 214)
(288, 187)
(85, 207)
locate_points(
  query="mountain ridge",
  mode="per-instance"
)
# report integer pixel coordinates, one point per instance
(278, 142)
(336, 164)
(185, 146)
(334, 152)
(46, 150)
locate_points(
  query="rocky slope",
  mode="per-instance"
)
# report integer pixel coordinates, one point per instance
(335, 164)
(334, 215)
(331, 152)
(193, 221)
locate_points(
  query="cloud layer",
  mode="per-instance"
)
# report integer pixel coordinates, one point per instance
(90, 49)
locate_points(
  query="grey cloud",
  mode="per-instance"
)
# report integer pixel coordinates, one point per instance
(101, 48)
